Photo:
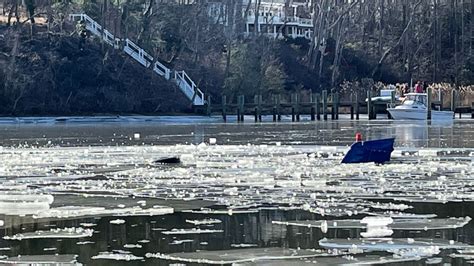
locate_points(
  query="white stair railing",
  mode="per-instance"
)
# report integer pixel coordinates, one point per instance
(189, 87)
(96, 29)
(137, 53)
(184, 82)
(161, 70)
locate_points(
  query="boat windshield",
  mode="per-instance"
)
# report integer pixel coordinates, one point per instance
(415, 100)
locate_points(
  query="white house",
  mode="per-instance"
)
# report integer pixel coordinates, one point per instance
(273, 18)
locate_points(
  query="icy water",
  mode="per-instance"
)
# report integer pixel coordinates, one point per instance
(87, 191)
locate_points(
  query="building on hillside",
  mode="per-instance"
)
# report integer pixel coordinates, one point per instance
(274, 18)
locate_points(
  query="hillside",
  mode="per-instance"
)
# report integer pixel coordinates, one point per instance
(50, 75)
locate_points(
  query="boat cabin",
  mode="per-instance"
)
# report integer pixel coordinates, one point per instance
(415, 99)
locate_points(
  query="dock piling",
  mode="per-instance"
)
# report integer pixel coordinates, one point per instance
(209, 108)
(369, 105)
(317, 102)
(325, 104)
(428, 92)
(357, 109)
(224, 108)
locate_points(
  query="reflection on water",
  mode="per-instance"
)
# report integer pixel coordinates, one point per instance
(254, 229)
(407, 133)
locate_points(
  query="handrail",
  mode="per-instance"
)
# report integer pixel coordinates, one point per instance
(184, 82)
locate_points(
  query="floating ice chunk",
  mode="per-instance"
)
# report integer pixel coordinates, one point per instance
(116, 256)
(205, 221)
(179, 242)
(53, 233)
(390, 244)
(117, 221)
(397, 224)
(84, 242)
(436, 260)
(19, 204)
(417, 252)
(49, 249)
(191, 231)
(234, 256)
(212, 141)
(26, 198)
(377, 232)
(87, 224)
(136, 135)
(2, 222)
(390, 206)
(377, 226)
(132, 246)
(228, 212)
(57, 259)
(374, 221)
(81, 211)
(243, 245)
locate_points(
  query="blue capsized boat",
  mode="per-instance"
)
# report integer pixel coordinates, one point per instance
(377, 151)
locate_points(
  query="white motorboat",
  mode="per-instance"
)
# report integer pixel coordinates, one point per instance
(414, 107)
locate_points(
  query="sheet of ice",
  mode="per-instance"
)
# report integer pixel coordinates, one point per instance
(240, 255)
(204, 221)
(377, 226)
(22, 204)
(58, 259)
(72, 232)
(116, 256)
(397, 224)
(191, 231)
(243, 245)
(132, 246)
(394, 245)
(182, 241)
(233, 176)
(117, 221)
(390, 206)
(85, 242)
(88, 224)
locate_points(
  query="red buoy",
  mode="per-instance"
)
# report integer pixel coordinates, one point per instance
(358, 137)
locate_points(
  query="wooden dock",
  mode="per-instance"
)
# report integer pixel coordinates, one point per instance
(321, 106)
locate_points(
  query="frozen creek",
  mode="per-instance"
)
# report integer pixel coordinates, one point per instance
(271, 201)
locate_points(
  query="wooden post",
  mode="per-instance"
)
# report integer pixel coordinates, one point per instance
(392, 103)
(260, 100)
(238, 108)
(209, 108)
(325, 104)
(224, 108)
(336, 102)
(255, 101)
(333, 106)
(453, 101)
(369, 105)
(472, 110)
(318, 106)
(279, 107)
(313, 110)
(357, 109)
(428, 103)
(274, 109)
(297, 106)
(241, 110)
(352, 106)
(293, 118)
